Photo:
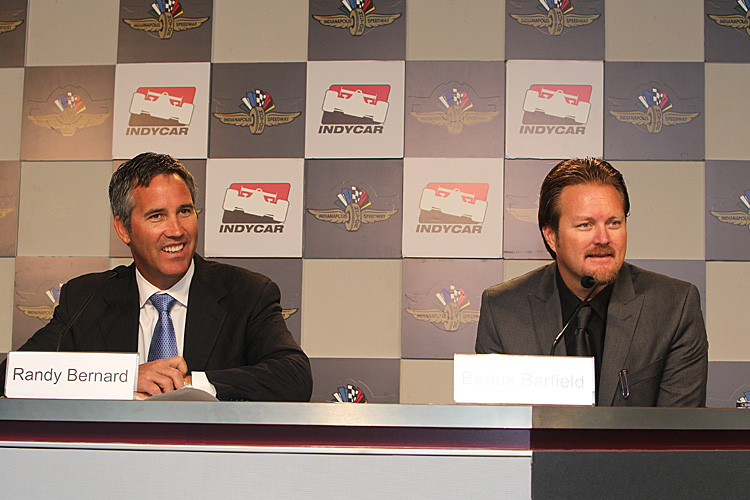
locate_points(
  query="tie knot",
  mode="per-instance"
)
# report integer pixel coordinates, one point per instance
(162, 301)
(583, 316)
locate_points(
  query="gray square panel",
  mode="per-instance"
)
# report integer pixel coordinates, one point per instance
(67, 113)
(256, 110)
(353, 209)
(440, 305)
(727, 210)
(454, 109)
(338, 30)
(37, 291)
(14, 21)
(727, 36)
(355, 380)
(523, 179)
(179, 34)
(287, 274)
(654, 111)
(544, 30)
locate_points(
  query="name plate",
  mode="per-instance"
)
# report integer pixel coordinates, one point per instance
(71, 375)
(527, 380)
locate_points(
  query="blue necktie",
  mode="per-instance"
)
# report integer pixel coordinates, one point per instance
(163, 342)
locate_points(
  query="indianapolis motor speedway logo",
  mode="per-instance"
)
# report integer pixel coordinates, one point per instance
(43, 311)
(354, 109)
(451, 309)
(737, 217)
(554, 17)
(349, 394)
(161, 111)
(255, 208)
(655, 111)
(257, 113)
(357, 16)
(446, 207)
(556, 109)
(65, 111)
(166, 18)
(7, 26)
(353, 208)
(739, 21)
(454, 108)
(9, 202)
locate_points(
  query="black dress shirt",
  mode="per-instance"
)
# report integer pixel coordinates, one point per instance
(597, 322)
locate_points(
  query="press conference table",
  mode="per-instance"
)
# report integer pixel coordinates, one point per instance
(119, 449)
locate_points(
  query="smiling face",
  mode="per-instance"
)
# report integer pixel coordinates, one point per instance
(591, 238)
(164, 230)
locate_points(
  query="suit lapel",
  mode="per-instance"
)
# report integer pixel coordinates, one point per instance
(118, 323)
(622, 317)
(205, 315)
(546, 312)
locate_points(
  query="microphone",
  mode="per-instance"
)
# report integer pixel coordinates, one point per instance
(117, 272)
(586, 282)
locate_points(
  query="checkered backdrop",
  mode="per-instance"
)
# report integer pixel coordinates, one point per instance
(379, 159)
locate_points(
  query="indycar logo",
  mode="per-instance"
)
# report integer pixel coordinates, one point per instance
(654, 113)
(257, 113)
(6, 26)
(740, 21)
(69, 112)
(349, 394)
(554, 17)
(258, 208)
(357, 15)
(166, 18)
(450, 311)
(161, 111)
(44, 312)
(355, 104)
(353, 210)
(455, 109)
(556, 109)
(452, 208)
(738, 217)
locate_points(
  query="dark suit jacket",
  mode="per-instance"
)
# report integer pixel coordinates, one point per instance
(234, 330)
(655, 331)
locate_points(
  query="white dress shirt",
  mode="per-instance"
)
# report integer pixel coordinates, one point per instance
(149, 315)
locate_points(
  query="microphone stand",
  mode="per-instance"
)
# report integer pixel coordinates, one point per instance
(586, 282)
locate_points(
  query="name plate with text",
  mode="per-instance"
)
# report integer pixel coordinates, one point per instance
(71, 375)
(526, 380)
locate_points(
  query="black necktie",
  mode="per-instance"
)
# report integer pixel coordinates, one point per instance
(581, 346)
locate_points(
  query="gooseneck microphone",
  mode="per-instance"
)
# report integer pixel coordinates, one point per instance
(117, 272)
(586, 282)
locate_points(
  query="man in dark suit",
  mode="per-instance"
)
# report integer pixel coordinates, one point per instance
(225, 331)
(645, 331)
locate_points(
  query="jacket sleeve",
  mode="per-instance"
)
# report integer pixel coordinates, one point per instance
(685, 371)
(488, 338)
(274, 367)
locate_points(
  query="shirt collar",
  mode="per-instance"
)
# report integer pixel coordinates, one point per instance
(599, 303)
(180, 290)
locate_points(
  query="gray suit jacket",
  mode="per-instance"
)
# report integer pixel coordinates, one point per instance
(655, 331)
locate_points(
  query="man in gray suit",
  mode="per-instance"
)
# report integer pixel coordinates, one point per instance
(645, 331)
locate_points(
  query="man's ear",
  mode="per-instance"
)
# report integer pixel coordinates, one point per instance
(550, 237)
(121, 230)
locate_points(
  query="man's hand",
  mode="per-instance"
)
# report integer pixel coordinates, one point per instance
(162, 375)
